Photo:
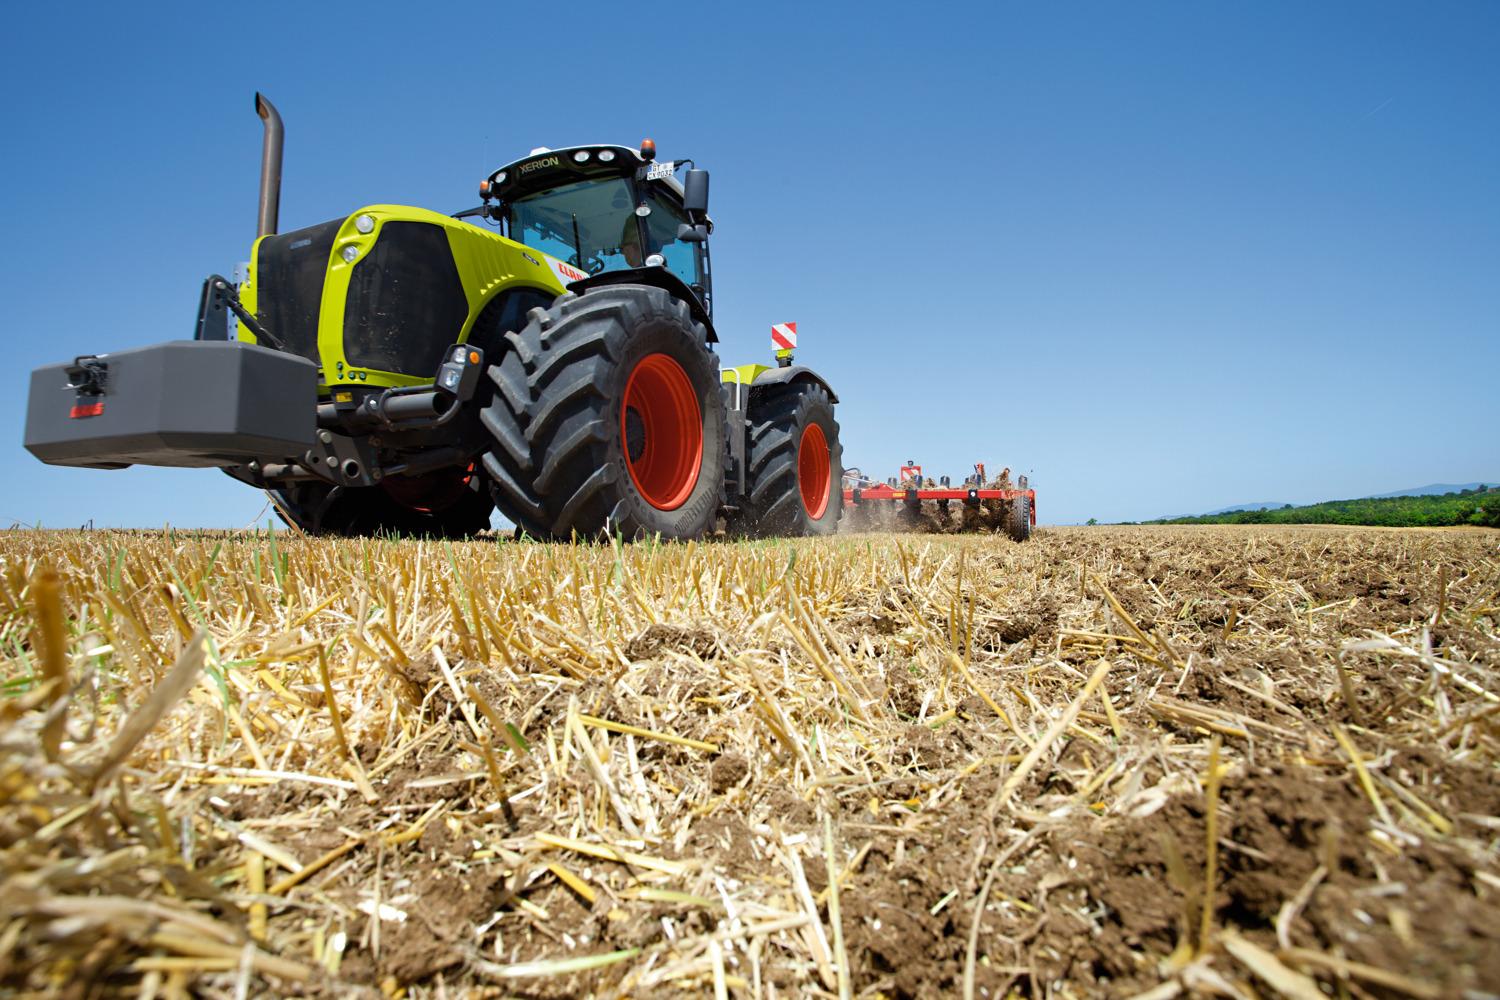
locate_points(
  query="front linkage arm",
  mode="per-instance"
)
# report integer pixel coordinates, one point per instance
(219, 294)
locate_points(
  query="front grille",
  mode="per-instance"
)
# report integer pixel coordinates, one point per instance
(406, 302)
(289, 273)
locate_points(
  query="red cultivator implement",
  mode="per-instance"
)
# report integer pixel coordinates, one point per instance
(928, 504)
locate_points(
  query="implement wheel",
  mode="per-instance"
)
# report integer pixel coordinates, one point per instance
(442, 504)
(606, 417)
(794, 462)
(1018, 521)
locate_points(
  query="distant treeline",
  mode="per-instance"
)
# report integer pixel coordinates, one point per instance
(1478, 507)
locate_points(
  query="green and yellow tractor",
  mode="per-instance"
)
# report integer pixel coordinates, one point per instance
(549, 353)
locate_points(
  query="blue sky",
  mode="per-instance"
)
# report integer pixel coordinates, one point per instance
(1165, 256)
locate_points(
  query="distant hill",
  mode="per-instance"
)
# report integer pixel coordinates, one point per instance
(1428, 490)
(1431, 489)
(1403, 510)
(1267, 504)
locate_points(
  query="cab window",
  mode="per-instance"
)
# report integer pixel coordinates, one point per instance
(661, 237)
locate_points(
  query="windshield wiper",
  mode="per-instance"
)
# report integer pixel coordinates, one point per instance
(577, 244)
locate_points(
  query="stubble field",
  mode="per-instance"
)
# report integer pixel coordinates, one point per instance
(1245, 762)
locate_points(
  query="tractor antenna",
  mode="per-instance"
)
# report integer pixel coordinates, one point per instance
(270, 166)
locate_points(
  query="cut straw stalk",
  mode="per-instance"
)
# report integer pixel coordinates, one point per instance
(1069, 716)
(163, 696)
(817, 940)
(555, 966)
(573, 881)
(192, 945)
(609, 853)
(648, 734)
(255, 883)
(1109, 711)
(835, 919)
(333, 706)
(596, 768)
(1344, 968)
(295, 879)
(953, 660)
(51, 641)
(1289, 983)
(1211, 853)
(492, 766)
(1365, 781)
(1127, 621)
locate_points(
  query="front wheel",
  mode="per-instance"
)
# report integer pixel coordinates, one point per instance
(606, 417)
(793, 462)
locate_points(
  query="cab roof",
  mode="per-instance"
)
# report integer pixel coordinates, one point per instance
(544, 168)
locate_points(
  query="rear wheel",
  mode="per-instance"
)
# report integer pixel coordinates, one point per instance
(1018, 522)
(606, 417)
(793, 462)
(442, 504)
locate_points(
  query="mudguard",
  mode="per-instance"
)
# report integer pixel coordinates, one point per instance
(657, 277)
(795, 373)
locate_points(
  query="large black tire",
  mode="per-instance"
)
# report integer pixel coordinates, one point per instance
(428, 507)
(793, 462)
(1018, 521)
(572, 455)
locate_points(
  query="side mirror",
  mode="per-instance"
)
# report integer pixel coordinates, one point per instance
(695, 192)
(692, 234)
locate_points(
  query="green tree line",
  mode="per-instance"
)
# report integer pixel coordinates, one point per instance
(1477, 507)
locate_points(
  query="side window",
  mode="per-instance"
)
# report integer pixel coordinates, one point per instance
(661, 234)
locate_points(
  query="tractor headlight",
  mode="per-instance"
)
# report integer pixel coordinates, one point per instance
(606, 155)
(365, 224)
(500, 177)
(350, 253)
(582, 156)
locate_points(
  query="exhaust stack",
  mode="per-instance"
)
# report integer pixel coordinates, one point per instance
(270, 166)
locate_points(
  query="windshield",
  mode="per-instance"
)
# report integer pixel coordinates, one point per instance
(590, 224)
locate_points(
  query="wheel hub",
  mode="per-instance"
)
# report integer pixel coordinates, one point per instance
(635, 434)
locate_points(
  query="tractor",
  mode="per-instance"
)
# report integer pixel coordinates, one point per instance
(549, 353)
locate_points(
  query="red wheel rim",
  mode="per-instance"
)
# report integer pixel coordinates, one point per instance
(664, 448)
(814, 471)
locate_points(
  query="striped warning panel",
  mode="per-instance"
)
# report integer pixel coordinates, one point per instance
(784, 336)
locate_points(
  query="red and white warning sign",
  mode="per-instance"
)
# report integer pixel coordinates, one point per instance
(784, 336)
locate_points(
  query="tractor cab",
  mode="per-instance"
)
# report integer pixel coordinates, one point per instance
(604, 209)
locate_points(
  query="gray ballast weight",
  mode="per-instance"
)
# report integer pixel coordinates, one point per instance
(183, 403)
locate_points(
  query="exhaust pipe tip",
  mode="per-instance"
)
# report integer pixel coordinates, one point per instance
(265, 108)
(270, 166)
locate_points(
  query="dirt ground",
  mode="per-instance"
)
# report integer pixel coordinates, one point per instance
(1230, 761)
